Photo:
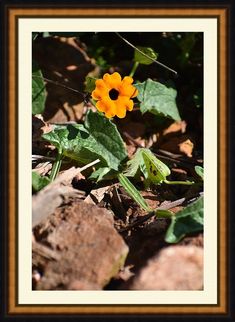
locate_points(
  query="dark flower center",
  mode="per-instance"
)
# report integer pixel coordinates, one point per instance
(113, 94)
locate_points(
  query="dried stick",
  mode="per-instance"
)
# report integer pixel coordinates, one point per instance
(142, 53)
(153, 213)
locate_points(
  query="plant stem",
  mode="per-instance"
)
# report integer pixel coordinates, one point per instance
(180, 182)
(136, 64)
(56, 166)
(133, 192)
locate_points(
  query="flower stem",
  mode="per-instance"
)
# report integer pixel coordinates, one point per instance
(56, 166)
(136, 64)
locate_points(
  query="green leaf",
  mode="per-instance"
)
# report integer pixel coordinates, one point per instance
(90, 84)
(133, 192)
(142, 59)
(200, 171)
(98, 139)
(133, 165)
(158, 99)
(105, 139)
(162, 213)
(46, 34)
(153, 169)
(186, 221)
(39, 182)
(38, 91)
(103, 174)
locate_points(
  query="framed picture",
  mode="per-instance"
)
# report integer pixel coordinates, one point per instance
(174, 55)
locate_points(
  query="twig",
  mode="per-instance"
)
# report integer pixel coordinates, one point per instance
(141, 52)
(89, 165)
(36, 157)
(117, 202)
(60, 84)
(153, 213)
(85, 96)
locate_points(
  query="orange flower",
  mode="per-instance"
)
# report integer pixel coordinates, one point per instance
(114, 95)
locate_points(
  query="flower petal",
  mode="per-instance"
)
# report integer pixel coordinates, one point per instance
(115, 106)
(123, 103)
(100, 90)
(107, 106)
(126, 89)
(127, 80)
(112, 80)
(129, 91)
(121, 113)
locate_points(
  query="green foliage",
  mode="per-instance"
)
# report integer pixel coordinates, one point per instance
(38, 91)
(142, 59)
(39, 182)
(162, 213)
(90, 84)
(106, 139)
(200, 171)
(97, 139)
(186, 221)
(103, 174)
(158, 99)
(133, 165)
(153, 169)
(133, 192)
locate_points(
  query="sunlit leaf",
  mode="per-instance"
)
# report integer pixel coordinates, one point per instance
(158, 99)
(186, 221)
(39, 182)
(153, 169)
(142, 59)
(200, 171)
(90, 84)
(98, 139)
(133, 165)
(133, 192)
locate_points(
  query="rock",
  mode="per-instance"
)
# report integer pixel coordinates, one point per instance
(91, 251)
(174, 268)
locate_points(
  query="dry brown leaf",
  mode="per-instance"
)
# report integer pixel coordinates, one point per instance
(176, 127)
(179, 145)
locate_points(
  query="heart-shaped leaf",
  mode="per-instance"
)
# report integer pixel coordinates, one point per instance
(98, 139)
(158, 99)
(186, 221)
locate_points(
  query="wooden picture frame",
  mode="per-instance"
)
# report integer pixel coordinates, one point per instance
(12, 13)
